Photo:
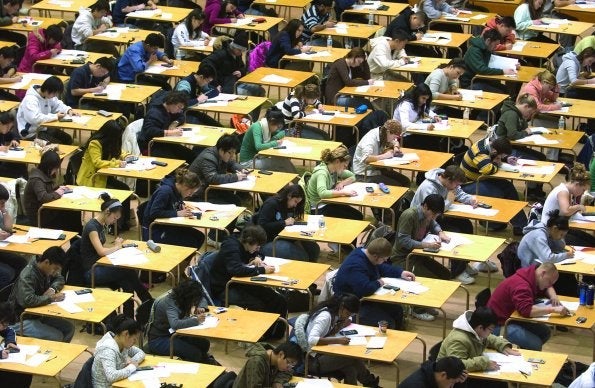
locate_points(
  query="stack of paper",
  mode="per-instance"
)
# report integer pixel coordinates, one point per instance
(405, 159)
(504, 63)
(13, 154)
(470, 95)
(405, 285)
(209, 323)
(537, 139)
(246, 184)
(114, 91)
(275, 79)
(68, 55)
(127, 256)
(509, 364)
(42, 233)
(158, 69)
(207, 206)
(459, 207)
(518, 46)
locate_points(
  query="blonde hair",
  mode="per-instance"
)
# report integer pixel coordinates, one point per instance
(340, 153)
(187, 178)
(547, 77)
(579, 174)
(528, 99)
(380, 247)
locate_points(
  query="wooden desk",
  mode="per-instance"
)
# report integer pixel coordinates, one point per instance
(8, 105)
(427, 161)
(487, 101)
(542, 375)
(323, 56)
(480, 250)
(122, 36)
(587, 226)
(34, 247)
(198, 49)
(579, 11)
(395, 344)
(466, 20)
(29, 27)
(437, 295)
(261, 29)
(455, 42)
(394, 9)
(198, 135)
(524, 74)
(241, 107)
(304, 273)
(334, 384)
(543, 178)
(341, 231)
(61, 354)
(106, 302)
(32, 155)
(94, 123)
(500, 7)
(457, 128)
(566, 140)
(425, 65)
(350, 30)
(531, 49)
(388, 89)
(507, 209)
(579, 267)
(306, 149)
(181, 69)
(133, 94)
(340, 118)
(7, 44)
(155, 174)
(34, 79)
(554, 27)
(46, 7)
(293, 77)
(162, 14)
(284, 5)
(205, 376)
(558, 320)
(166, 261)
(579, 109)
(64, 61)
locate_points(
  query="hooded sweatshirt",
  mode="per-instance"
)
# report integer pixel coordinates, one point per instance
(511, 123)
(432, 185)
(537, 244)
(257, 371)
(545, 100)
(421, 378)
(568, 71)
(382, 58)
(464, 343)
(164, 203)
(38, 48)
(510, 38)
(110, 364)
(85, 24)
(477, 59)
(40, 189)
(36, 110)
(322, 182)
(517, 292)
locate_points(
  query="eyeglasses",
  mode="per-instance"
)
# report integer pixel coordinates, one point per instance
(291, 363)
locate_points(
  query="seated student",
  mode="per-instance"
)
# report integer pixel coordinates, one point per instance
(444, 181)
(181, 307)
(282, 210)
(470, 337)
(588, 41)
(414, 24)
(545, 91)
(10, 138)
(11, 264)
(9, 14)
(8, 71)
(320, 326)
(165, 119)
(574, 71)
(361, 274)
(436, 8)
(41, 44)
(197, 88)
(92, 21)
(526, 15)
(315, 20)
(188, 33)
(138, 57)
(123, 7)
(518, 293)
(388, 53)
(93, 247)
(484, 158)
(116, 356)
(505, 25)
(586, 379)
(239, 256)
(168, 201)
(268, 366)
(445, 372)
(41, 105)
(352, 70)
(287, 42)
(41, 188)
(11, 379)
(444, 81)
(39, 284)
(220, 12)
(302, 99)
(89, 78)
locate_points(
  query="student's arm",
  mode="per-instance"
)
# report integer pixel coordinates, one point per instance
(430, 10)
(214, 18)
(405, 234)
(136, 354)
(474, 60)
(405, 108)
(136, 59)
(8, 221)
(177, 323)
(508, 125)
(99, 248)
(33, 114)
(160, 205)
(257, 137)
(27, 296)
(57, 106)
(542, 249)
(460, 350)
(85, 29)
(108, 359)
(285, 44)
(212, 175)
(268, 220)
(255, 372)
(484, 164)
(94, 153)
(320, 182)
(522, 18)
(575, 76)
(343, 72)
(184, 87)
(234, 264)
(153, 126)
(566, 209)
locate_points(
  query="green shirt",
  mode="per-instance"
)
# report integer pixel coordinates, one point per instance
(253, 142)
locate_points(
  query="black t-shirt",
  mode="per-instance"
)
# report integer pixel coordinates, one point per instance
(88, 252)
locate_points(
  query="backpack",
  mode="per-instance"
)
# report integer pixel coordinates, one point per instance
(587, 152)
(257, 56)
(303, 182)
(382, 231)
(85, 378)
(509, 259)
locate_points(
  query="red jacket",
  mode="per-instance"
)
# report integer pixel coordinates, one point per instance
(37, 49)
(545, 101)
(517, 292)
(510, 38)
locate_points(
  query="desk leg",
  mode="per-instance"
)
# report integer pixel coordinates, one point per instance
(171, 345)
(424, 347)
(467, 292)
(274, 241)
(306, 364)
(443, 322)
(593, 333)
(489, 278)
(227, 293)
(398, 371)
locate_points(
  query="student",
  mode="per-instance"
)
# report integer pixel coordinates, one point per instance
(181, 307)
(165, 119)
(220, 12)
(588, 41)
(39, 284)
(352, 70)
(41, 44)
(89, 78)
(41, 105)
(315, 20)
(197, 88)
(282, 210)
(11, 264)
(124, 7)
(505, 25)
(92, 21)
(444, 81)
(139, 56)
(267, 366)
(41, 188)
(436, 8)
(11, 379)
(544, 90)
(388, 53)
(10, 138)
(470, 337)
(444, 181)
(526, 15)
(93, 247)
(361, 274)
(9, 14)
(445, 372)
(287, 42)
(8, 71)
(296, 104)
(189, 32)
(586, 379)
(574, 71)
(320, 326)
(116, 356)
(411, 22)
(239, 256)
(518, 293)
(415, 106)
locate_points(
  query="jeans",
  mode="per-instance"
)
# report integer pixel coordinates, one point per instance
(371, 313)
(498, 188)
(194, 349)
(526, 335)
(47, 328)
(294, 250)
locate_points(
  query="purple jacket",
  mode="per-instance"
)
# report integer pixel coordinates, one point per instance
(212, 9)
(37, 49)
(258, 56)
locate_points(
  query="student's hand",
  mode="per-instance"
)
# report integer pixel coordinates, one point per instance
(512, 160)
(16, 78)
(419, 35)
(241, 16)
(168, 61)
(269, 269)
(343, 340)
(329, 24)
(139, 7)
(241, 176)
(5, 353)
(509, 71)
(555, 301)
(152, 58)
(201, 317)
(289, 221)
(508, 46)
(12, 346)
(237, 73)
(511, 352)
(175, 132)
(371, 81)
(3, 148)
(98, 89)
(569, 254)
(60, 191)
(122, 163)
(279, 143)
(493, 365)
(15, 143)
(54, 52)
(473, 202)
(431, 127)
(102, 28)
(340, 185)
(257, 262)
(118, 242)
(202, 98)
(537, 22)
(561, 310)
(437, 119)
(4, 235)
(444, 237)
(409, 276)
(582, 208)
(233, 20)
(517, 66)
(388, 154)
(431, 244)
(187, 212)
(349, 193)
(59, 297)
(305, 49)
(61, 115)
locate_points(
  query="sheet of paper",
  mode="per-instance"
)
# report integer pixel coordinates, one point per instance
(18, 239)
(225, 97)
(470, 95)
(127, 256)
(180, 367)
(499, 62)
(357, 341)
(320, 117)
(109, 34)
(540, 130)
(216, 103)
(509, 167)
(114, 92)
(167, 15)
(18, 358)
(149, 374)
(509, 364)
(82, 119)
(72, 297)
(360, 188)
(144, 13)
(271, 260)
(209, 323)
(276, 277)
(518, 46)
(207, 206)
(244, 21)
(29, 350)
(61, 4)
(376, 342)
(362, 331)
(459, 207)
(405, 285)
(14, 154)
(405, 159)
(37, 359)
(585, 257)
(69, 307)
(275, 79)
(314, 383)
(537, 170)
(43, 233)
(455, 241)
(4, 244)
(362, 88)
(246, 184)
(158, 69)
(537, 139)
(67, 55)
(300, 228)
(478, 16)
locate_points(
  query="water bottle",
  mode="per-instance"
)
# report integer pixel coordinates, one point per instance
(178, 55)
(321, 225)
(561, 123)
(466, 114)
(371, 17)
(329, 43)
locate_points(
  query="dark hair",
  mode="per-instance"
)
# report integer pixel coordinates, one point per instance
(153, 40)
(332, 305)
(413, 96)
(197, 14)
(557, 220)
(52, 85)
(290, 350)
(326, 3)
(106, 63)
(222, 12)
(6, 312)
(423, 16)
(187, 178)
(253, 234)
(311, 91)
(454, 173)
(110, 138)
(228, 142)
(4, 194)
(54, 32)
(356, 52)
(109, 201)
(292, 191)
(501, 146)
(172, 98)
(13, 2)
(290, 29)
(55, 255)
(452, 366)
(506, 21)
(6, 117)
(206, 71)
(187, 294)
(49, 161)
(492, 34)
(483, 316)
(275, 117)
(100, 5)
(455, 62)
(121, 323)
(434, 203)
(586, 53)
(399, 35)
(535, 13)
(9, 52)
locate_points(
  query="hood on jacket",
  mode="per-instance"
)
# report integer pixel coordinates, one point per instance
(572, 57)
(319, 167)
(432, 175)
(37, 173)
(508, 105)
(34, 91)
(492, 23)
(535, 85)
(462, 323)
(380, 40)
(528, 274)
(478, 42)
(535, 226)
(258, 349)
(169, 181)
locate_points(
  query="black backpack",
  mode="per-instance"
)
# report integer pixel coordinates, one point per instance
(509, 259)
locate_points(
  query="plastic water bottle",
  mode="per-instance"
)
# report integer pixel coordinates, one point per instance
(466, 114)
(371, 17)
(321, 225)
(561, 123)
(329, 43)
(178, 55)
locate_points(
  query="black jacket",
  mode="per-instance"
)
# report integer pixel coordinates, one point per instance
(225, 63)
(212, 170)
(157, 120)
(271, 217)
(401, 22)
(421, 378)
(164, 203)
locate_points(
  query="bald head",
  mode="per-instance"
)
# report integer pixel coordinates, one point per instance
(546, 275)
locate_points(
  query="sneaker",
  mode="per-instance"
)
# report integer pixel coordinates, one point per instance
(334, 247)
(423, 316)
(487, 266)
(471, 271)
(213, 244)
(432, 311)
(465, 279)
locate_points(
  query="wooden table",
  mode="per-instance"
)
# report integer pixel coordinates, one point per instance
(196, 135)
(61, 354)
(133, 94)
(531, 49)
(59, 62)
(181, 70)
(341, 231)
(205, 376)
(457, 128)
(302, 272)
(34, 247)
(342, 117)
(325, 57)
(500, 7)
(260, 29)
(166, 261)
(437, 295)
(350, 30)
(6, 44)
(542, 375)
(524, 74)
(487, 101)
(334, 384)
(466, 20)
(8, 105)
(293, 77)
(539, 179)
(579, 11)
(155, 174)
(198, 49)
(284, 5)
(507, 209)
(29, 27)
(579, 109)
(424, 65)
(578, 267)
(106, 302)
(34, 79)
(387, 89)
(559, 320)
(94, 124)
(395, 344)
(241, 107)
(427, 160)
(571, 28)
(456, 41)
(480, 250)
(162, 14)
(588, 226)
(122, 36)
(394, 9)
(32, 155)
(46, 7)
(306, 149)
(566, 140)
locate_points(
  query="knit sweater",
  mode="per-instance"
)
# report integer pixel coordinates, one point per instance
(322, 183)
(382, 58)
(111, 363)
(253, 141)
(411, 230)
(341, 75)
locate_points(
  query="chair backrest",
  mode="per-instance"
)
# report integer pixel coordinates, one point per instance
(434, 350)
(169, 47)
(483, 297)
(75, 274)
(509, 259)
(143, 314)
(85, 378)
(129, 142)
(74, 165)
(140, 216)
(327, 288)
(201, 273)
(5, 292)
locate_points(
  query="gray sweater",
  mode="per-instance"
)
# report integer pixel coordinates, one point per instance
(166, 316)
(438, 82)
(432, 185)
(537, 244)
(110, 364)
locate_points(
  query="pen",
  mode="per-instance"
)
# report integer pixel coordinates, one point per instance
(51, 358)
(568, 263)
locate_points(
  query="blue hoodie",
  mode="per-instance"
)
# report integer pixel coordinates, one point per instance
(164, 203)
(537, 244)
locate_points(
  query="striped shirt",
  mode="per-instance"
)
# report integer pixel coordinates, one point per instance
(311, 18)
(477, 161)
(292, 108)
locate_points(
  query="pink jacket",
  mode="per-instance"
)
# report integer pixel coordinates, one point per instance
(37, 49)
(545, 101)
(510, 38)
(212, 9)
